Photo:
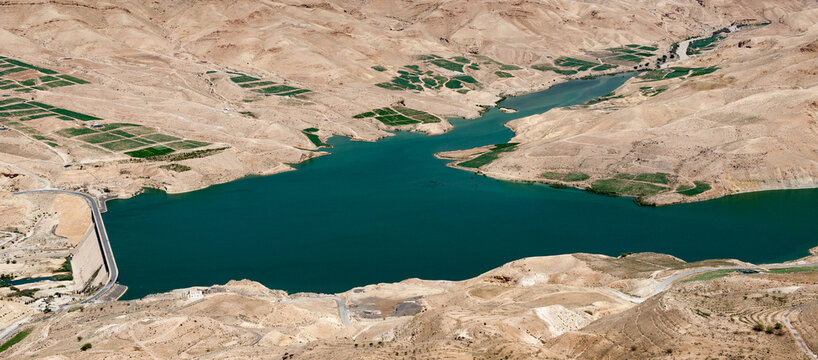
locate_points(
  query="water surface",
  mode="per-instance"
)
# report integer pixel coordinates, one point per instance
(387, 211)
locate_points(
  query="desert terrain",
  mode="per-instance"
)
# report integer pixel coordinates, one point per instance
(579, 306)
(110, 97)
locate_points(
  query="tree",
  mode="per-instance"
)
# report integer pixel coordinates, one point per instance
(86, 346)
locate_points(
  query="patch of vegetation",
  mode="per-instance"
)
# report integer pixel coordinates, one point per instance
(651, 91)
(503, 74)
(454, 84)
(15, 339)
(792, 270)
(187, 144)
(275, 89)
(566, 177)
(160, 137)
(99, 138)
(124, 144)
(175, 167)
(379, 68)
(196, 154)
(629, 57)
(85, 347)
(606, 97)
(71, 132)
(314, 139)
(604, 67)
(243, 79)
(704, 44)
(448, 65)
(544, 67)
(488, 60)
(696, 190)
(581, 65)
(616, 187)
(489, 156)
(710, 275)
(23, 293)
(74, 115)
(148, 152)
(122, 133)
(656, 178)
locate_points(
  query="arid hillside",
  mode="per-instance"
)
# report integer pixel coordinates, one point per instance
(222, 89)
(578, 306)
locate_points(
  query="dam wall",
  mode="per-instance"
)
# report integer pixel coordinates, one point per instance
(87, 263)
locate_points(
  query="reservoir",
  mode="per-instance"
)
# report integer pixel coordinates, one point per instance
(389, 210)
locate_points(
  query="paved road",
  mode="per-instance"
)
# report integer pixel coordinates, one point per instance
(102, 238)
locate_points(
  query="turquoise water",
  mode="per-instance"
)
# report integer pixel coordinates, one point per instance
(387, 211)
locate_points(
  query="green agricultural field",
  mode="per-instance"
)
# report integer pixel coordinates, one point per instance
(157, 150)
(604, 67)
(124, 144)
(503, 74)
(113, 126)
(12, 101)
(294, 92)
(396, 120)
(488, 157)
(708, 43)
(73, 79)
(314, 139)
(256, 84)
(710, 275)
(141, 130)
(122, 133)
(243, 79)
(379, 68)
(275, 89)
(71, 132)
(74, 115)
(792, 270)
(15, 339)
(175, 167)
(629, 57)
(466, 79)
(567, 177)
(581, 65)
(695, 190)
(160, 137)
(656, 178)
(544, 67)
(454, 84)
(614, 187)
(29, 66)
(448, 65)
(186, 144)
(100, 138)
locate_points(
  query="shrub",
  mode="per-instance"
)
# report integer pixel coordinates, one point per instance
(86, 346)
(758, 327)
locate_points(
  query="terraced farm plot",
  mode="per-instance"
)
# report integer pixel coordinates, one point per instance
(566, 177)
(314, 138)
(489, 156)
(124, 144)
(186, 144)
(399, 115)
(656, 178)
(676, 72)
(19, 108)
(709, 43)
(157, 150)
(100, 138)
(71, 132)
(619, 187)
(160, 138)
(419, 77)
(34, 80)
(258, 85)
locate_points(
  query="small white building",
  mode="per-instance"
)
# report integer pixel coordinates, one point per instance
(195, 295)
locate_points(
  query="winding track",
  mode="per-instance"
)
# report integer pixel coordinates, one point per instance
(667, 282)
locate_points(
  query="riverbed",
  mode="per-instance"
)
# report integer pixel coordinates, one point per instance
(389, 210)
